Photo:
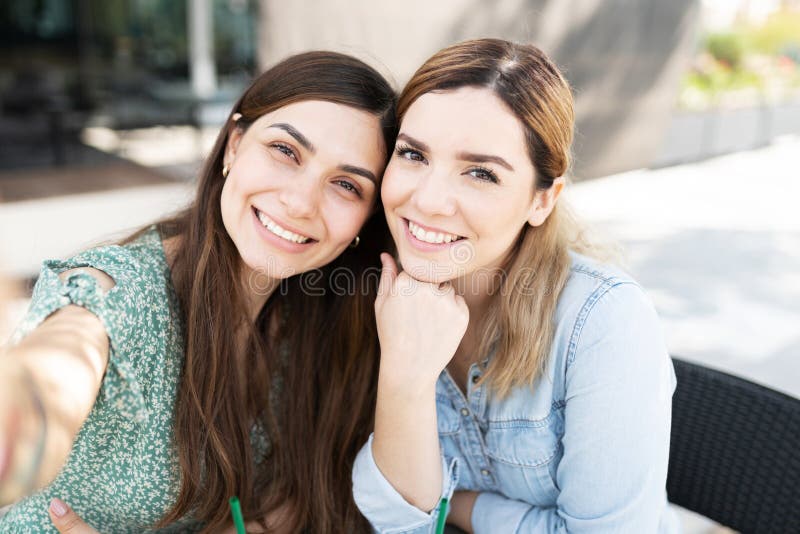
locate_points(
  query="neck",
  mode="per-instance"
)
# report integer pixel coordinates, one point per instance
(477, 289)
(257, 289)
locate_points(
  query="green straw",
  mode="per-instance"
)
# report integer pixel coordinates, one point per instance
(236, 513)
(442, 516)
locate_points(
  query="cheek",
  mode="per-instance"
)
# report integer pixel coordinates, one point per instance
(497, 220)
(226, 204)
(232, 200)
(491, 220)
(396, 188)
(257, 171)
(344, 221)
(498, 227)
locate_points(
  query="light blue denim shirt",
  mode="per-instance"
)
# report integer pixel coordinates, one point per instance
(584, 450)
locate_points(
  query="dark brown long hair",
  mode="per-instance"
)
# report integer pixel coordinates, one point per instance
(314, 342)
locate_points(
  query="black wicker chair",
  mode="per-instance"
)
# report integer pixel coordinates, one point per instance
(735, 451)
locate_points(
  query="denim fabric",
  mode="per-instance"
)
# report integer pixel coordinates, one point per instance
(583, 450)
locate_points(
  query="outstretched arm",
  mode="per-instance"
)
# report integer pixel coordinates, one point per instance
(47, 388)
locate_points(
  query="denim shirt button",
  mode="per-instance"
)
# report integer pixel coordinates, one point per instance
(475, 378)
(464, 412)
(485, 472)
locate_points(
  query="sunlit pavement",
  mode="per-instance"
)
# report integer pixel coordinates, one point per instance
(716, 244)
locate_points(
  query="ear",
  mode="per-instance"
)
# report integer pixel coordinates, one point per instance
(544, 201)
(234, 138)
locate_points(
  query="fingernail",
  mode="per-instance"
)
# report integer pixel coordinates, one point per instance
(58, 507)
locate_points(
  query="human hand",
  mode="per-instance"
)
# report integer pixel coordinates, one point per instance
(420, 326)
(22, 432)
(66, 520)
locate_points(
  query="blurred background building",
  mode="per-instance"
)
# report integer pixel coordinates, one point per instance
(687, 151)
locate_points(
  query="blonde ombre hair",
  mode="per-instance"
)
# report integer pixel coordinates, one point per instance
(519, 324)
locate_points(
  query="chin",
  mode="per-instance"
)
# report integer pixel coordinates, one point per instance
(431, 271)
(268, 266)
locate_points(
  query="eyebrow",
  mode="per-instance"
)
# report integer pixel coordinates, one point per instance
(291, 130)
(352, 169)
(483, 158)
(303, 140)
(463, 156)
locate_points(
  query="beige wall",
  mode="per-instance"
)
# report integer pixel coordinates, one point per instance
(623, 57)
(399, 35)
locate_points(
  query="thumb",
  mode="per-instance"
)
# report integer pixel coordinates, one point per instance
(66, 520)
(388, 274)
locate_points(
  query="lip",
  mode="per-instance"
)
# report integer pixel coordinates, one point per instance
(279, 242)
(424, 246)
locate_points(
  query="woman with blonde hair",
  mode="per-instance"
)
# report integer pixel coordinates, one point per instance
(160, 376)
(522, 379)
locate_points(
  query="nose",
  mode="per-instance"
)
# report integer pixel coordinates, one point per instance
(433, 195)
(300, 197)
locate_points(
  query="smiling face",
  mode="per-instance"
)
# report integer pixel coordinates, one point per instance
(302, 182)
(460, 186)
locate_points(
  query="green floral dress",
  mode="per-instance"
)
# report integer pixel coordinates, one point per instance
(122, 474)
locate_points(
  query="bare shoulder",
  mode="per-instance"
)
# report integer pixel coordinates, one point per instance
(171, 246)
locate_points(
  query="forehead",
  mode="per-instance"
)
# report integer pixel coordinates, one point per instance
(334, 129)
(468, 118)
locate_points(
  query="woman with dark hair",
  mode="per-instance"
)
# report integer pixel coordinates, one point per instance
(522, 377)
(158, 377)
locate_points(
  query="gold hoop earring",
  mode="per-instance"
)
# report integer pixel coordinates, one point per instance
(225, 170)
(355, 242)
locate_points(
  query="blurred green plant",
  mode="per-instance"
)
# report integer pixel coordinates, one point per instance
(749, 62)
(726, 48)
(720, 78)
(776, 36)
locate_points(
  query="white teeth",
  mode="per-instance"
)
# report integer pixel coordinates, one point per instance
(281, 232)
(430, 237)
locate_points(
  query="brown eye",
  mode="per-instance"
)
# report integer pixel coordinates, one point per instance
(409, 153)
(349, 187)
(286, 150)
(484, 174)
